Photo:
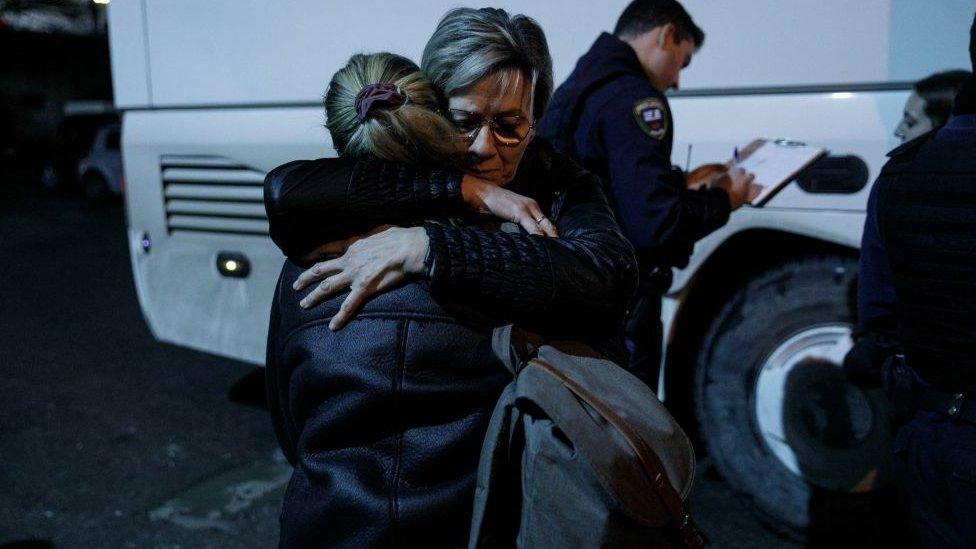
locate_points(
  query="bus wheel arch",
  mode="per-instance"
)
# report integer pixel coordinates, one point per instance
(736, 343)
(740, 258)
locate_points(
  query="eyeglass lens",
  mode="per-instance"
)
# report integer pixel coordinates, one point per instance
(508, 129)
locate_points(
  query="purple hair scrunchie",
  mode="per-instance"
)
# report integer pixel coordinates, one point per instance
(377, 95)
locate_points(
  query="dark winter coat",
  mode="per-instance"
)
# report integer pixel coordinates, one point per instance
(383, 420)
(609, 117)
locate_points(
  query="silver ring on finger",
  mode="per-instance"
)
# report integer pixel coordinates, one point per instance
(540, 220)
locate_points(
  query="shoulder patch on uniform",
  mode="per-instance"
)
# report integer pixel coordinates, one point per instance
(652, 117)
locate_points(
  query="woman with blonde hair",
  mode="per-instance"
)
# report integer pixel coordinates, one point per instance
(380, 374)
(381, 104)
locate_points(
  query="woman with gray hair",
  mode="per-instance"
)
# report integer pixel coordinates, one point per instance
(383, 412)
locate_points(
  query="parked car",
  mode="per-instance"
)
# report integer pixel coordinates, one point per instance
(100, 172)
(80, 122)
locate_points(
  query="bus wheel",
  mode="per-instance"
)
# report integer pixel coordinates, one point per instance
(780, 422)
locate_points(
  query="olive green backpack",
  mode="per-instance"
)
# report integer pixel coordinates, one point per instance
(579, 453)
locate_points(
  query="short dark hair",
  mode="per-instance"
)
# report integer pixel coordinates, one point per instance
(938, 91)
(641, 16)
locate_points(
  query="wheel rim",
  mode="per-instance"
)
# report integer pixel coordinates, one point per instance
(815, 423)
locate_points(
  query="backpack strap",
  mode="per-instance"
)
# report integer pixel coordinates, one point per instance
(650, 462)
(514, 347)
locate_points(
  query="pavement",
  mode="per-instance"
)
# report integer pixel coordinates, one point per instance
(109, 438)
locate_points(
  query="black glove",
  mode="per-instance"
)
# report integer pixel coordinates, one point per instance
(864, 361)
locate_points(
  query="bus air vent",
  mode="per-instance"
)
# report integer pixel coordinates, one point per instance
(212, 194)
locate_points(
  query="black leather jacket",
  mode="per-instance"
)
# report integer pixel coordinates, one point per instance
(383, 419)
(578, 283)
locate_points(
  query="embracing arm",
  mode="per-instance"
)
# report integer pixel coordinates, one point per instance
(311, 202)
(581, 281)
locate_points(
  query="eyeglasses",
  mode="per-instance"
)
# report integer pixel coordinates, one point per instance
(508, 129)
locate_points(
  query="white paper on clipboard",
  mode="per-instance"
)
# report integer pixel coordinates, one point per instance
(776, 163)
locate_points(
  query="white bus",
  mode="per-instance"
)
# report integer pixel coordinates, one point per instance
(214, 94)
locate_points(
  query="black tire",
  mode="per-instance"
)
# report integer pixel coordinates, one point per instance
(833, 461)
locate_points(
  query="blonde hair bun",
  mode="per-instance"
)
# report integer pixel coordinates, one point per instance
(401, 122)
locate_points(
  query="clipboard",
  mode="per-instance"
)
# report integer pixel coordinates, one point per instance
(776, 162)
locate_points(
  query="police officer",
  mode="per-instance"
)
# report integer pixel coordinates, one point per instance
(876, 339)
(612, 116)
(921, 225)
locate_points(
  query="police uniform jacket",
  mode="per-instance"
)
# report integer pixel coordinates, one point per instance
(384, 419)
(918, 260)
(609, 117)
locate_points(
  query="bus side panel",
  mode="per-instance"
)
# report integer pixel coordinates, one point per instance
(805, 42)
(194, 191)
(858, 123)
(127, 49)
(254, 51)
(845, 123)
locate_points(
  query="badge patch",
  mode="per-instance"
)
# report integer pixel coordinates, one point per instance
(652, 117)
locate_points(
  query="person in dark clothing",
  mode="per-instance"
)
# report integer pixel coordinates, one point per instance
(930, 103)
(929, 106)
(612, 116)
(380, 396)
(921, 216)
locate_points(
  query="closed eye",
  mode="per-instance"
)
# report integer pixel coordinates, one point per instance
(466, 123)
